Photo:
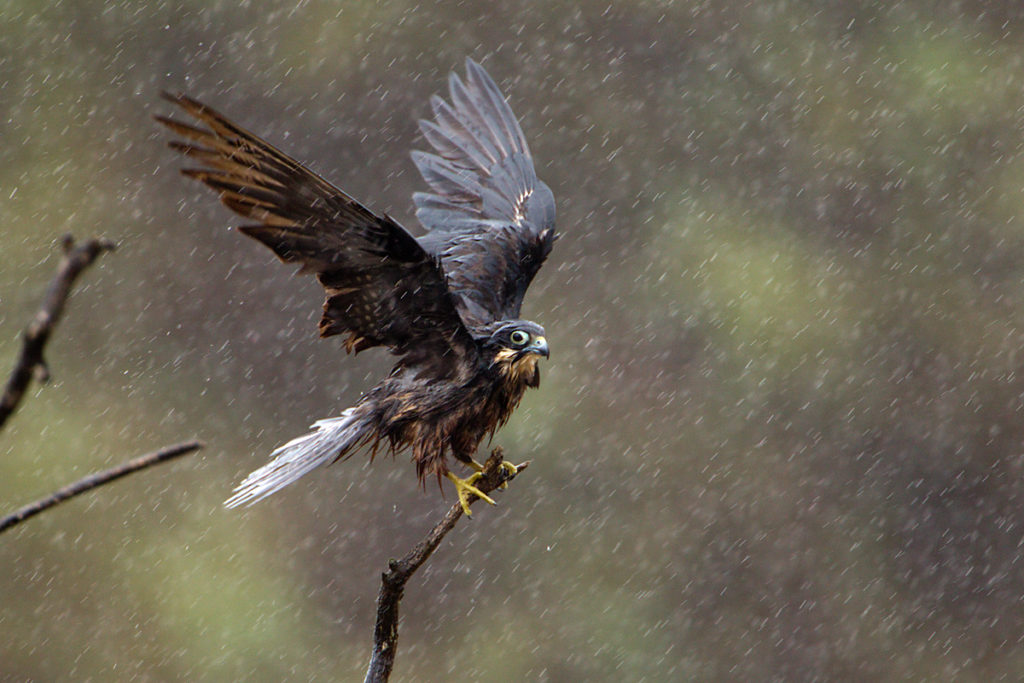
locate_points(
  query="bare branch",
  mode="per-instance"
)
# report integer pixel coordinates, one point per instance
(31, 362)
(98, 479)
(385, 630)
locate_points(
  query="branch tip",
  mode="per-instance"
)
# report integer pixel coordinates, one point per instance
(41, 372)
(98, 479)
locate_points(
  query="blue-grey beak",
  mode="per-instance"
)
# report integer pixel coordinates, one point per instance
(539, 346)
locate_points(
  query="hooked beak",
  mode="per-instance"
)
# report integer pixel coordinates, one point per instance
(539, 346)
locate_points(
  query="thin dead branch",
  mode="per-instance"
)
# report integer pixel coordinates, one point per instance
(31, 362)
(385, 631)
(98, 479)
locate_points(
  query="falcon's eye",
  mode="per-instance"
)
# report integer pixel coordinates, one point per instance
(519, 337)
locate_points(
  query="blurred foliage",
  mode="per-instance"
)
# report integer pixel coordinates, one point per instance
(780, 434)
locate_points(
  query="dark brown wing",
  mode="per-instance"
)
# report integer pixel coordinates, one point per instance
(383, 288)
(491, 220)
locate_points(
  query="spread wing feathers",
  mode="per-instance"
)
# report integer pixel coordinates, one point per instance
(383, 288)
(491, 220)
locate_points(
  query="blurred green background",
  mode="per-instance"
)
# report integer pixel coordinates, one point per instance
(780, 434)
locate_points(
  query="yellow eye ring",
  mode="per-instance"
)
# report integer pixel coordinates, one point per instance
(519, 338)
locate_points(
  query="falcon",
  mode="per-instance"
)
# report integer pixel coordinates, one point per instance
(445, 303)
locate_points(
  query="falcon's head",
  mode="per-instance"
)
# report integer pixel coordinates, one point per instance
(514, 349)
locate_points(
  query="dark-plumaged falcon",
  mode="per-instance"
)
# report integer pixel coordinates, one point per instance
(446, 303)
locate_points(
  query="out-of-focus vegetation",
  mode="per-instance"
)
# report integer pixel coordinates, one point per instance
(780, 434)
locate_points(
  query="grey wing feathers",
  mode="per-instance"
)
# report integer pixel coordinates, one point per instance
(491, 220)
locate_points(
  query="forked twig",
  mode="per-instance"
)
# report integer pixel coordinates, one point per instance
(31, 362)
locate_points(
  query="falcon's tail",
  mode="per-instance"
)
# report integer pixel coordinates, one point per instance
(332, 439)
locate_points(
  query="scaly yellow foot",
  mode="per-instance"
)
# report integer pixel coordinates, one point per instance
(464, 487)
(510, 470)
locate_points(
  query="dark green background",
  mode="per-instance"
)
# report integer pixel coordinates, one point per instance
(780, 433)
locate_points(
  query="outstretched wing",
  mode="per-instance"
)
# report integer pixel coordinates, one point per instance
(491, 220)
(383, 288)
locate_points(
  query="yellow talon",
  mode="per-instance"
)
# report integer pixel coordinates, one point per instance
(510, 471)
(464, 487)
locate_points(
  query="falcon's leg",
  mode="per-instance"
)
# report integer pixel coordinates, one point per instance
(464, 487)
